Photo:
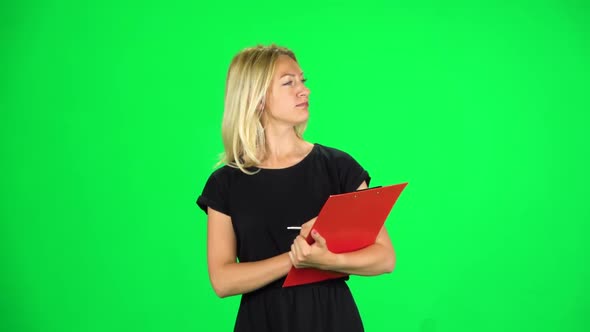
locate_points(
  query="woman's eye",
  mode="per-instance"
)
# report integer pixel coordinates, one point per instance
(291, 82)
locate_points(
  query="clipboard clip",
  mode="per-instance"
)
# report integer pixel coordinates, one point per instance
(367, 189)
(370, 188)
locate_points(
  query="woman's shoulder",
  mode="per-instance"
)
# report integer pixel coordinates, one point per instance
(349, 173)
(332, 153)
(224, 172)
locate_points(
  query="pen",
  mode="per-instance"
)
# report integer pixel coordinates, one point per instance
(294, 227)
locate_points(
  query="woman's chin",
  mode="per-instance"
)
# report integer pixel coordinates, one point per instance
(303, 118)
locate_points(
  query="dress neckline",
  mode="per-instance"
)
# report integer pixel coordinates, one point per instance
(307, 156)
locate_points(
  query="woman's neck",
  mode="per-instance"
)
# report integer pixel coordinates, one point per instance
(284, 148)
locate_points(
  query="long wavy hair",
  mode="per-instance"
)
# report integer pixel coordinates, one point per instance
(248, 79)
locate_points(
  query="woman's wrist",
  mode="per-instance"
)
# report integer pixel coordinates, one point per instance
(286, 263)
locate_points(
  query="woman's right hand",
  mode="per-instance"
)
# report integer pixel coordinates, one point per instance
(306, 227)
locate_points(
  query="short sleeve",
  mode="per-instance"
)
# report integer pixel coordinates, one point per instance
(215, 194)
(350, 173)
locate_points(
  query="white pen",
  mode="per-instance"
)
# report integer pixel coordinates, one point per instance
(294, 227)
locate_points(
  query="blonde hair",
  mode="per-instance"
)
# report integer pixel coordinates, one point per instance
(248, 80)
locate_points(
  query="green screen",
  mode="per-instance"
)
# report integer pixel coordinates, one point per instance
(110, 117)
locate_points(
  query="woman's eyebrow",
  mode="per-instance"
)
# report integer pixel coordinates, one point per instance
(289, 74)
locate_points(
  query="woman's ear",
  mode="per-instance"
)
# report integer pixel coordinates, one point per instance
(261, 105)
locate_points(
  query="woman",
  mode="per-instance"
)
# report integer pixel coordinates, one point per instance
(273, 179)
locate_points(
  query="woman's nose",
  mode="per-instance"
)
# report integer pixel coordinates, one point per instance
(304, 91)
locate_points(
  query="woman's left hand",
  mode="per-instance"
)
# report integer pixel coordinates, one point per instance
(316, 255)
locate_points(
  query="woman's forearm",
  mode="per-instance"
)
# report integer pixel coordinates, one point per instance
(239, 278)
(373, 260)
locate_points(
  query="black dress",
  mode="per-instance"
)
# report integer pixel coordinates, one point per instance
(261, 207)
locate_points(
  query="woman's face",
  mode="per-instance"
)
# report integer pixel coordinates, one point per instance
(287, 99)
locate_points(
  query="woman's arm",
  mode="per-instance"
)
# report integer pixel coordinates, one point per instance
(229, 277)
(375, 259)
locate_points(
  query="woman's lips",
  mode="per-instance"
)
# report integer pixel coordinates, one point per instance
(304, 105)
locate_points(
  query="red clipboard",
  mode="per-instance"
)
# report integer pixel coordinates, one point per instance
(348, 222)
